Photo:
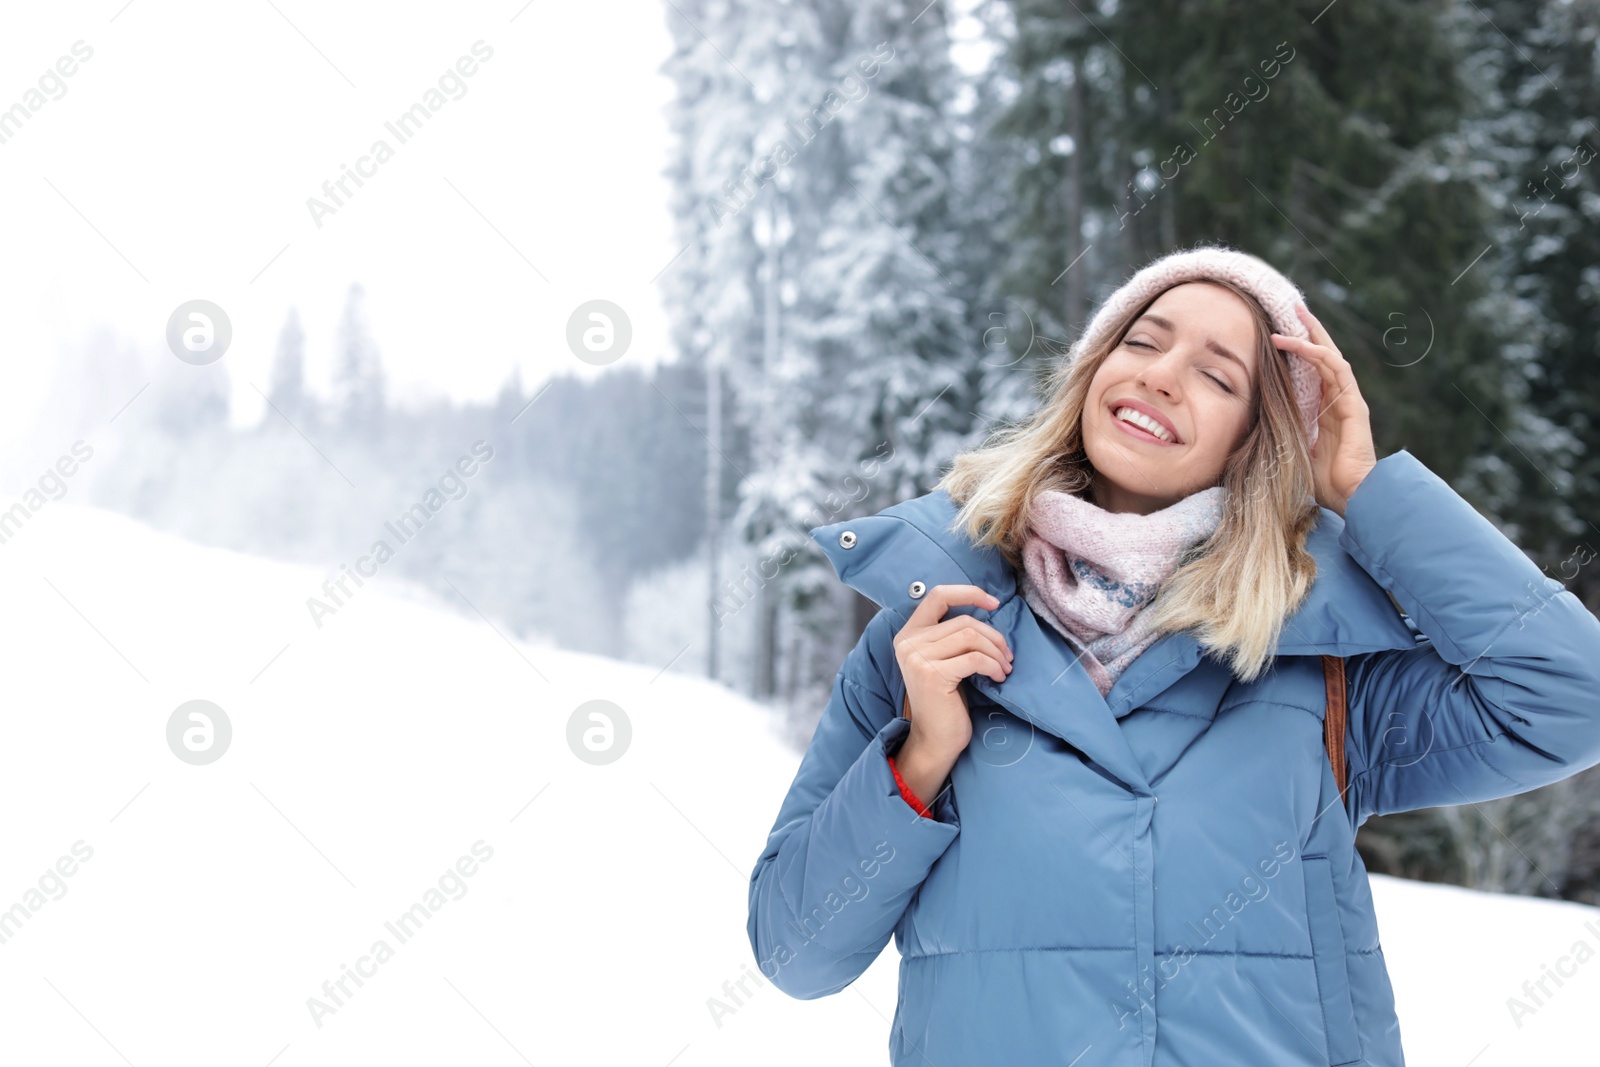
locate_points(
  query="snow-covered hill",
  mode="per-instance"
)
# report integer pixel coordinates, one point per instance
(406, 756)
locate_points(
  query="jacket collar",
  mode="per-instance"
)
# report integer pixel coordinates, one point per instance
(910, 547)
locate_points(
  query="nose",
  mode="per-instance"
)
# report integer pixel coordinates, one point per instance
(1161, 374)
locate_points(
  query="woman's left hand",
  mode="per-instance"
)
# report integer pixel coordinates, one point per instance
(1344, 452)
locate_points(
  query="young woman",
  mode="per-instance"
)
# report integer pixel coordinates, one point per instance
(1076, 763)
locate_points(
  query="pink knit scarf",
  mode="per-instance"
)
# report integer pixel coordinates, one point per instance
(1091, 572)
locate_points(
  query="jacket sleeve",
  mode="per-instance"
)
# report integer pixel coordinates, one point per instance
(1501, 695)
(847, 852)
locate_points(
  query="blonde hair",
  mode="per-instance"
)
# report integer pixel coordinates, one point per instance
(1237, 587)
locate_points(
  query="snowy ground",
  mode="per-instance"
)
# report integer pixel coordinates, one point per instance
(207, 904)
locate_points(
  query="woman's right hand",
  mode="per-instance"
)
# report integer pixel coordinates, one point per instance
(935, 654)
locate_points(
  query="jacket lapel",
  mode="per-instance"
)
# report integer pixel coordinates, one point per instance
(894, 556)
(1050, 688)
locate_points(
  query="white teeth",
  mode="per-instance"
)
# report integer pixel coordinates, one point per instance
(1140, 419)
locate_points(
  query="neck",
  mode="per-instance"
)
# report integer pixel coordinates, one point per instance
(1103, 494)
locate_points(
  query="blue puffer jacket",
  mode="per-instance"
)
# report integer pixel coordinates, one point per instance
(1165, 877)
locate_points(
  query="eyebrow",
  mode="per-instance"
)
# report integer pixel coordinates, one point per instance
(1210, 344)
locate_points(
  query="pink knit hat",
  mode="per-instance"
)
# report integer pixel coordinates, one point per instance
(1278, 295)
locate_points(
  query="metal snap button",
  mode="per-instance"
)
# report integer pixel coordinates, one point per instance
(847, 539)
(916, 590)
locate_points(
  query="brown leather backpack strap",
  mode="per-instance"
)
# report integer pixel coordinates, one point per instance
(1334, 721)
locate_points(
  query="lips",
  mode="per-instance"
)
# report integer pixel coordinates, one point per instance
(1141, 434)
(1144, 409)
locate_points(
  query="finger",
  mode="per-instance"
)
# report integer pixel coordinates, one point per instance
(1301, 344)
(1334, 368)
(1320, 338)
(1326, 360)
(978, 663)
(1321, 359)
(999, 641)
(966, 639)
(1319, 333)
(1338, 378)
(956, 623)
(941, 598)
(949, 670)
(1319, 356)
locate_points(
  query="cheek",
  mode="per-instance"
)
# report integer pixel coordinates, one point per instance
(1114, 366)
(1232, 420)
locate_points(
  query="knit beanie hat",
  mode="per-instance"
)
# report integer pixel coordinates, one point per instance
(1277, 294)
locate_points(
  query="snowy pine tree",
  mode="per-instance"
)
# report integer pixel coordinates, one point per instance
(287, 390)
(358, 375)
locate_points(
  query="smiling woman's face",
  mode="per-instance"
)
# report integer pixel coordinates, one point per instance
(1189, 362)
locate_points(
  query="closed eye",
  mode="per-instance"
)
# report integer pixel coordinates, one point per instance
(1225, 387)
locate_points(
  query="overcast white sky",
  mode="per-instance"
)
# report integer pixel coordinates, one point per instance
(178, 163)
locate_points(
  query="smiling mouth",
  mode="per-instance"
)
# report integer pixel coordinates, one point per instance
(1138, 432)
